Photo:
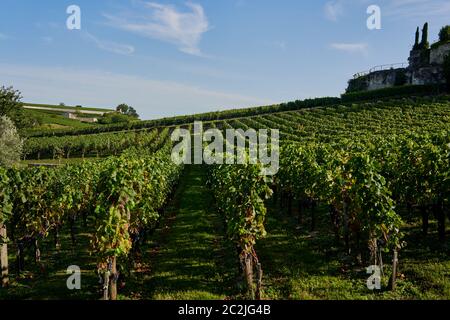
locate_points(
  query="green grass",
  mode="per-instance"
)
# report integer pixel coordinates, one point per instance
(55, 121)
(189, 257)
(61, 113)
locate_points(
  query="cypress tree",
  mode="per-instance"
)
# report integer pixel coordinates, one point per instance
(425, 44)
(416, 43)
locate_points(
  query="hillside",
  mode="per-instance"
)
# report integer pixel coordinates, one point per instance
(322, 124)
(415, 92)
(54, 120)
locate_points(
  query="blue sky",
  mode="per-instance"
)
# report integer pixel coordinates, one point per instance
(181, 57)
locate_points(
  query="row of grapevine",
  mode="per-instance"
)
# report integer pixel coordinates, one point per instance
(240, 192)
(132, 191)
(87, 145)
(118, 199)
(350, 182)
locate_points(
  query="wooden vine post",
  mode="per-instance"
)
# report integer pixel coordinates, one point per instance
(5, 209)
(106, 285)
(110, 277)
(259, 275)
(394, 269)
(248, 270)
(4, 256)
(113, 279)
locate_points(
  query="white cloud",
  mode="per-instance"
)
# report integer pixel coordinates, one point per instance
(361, 48)
(280, 44)
(418, 9)
(110, 46)
(46, 25)
(47, 39)
(168, 24)
(152, 98)
(3, 36)
(333, 10)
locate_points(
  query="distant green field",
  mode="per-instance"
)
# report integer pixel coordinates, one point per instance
(55, 120)
(61, 113)
(66, 107)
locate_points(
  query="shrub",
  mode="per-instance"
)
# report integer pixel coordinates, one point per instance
(115, 117)
(400, 78)
(10, 143)
(409, 90)
(358, 84)
(447, 71)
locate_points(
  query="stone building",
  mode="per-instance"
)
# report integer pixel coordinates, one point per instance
(73, 116)
(425, 66)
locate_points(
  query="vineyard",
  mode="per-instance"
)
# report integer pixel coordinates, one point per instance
(360, 184)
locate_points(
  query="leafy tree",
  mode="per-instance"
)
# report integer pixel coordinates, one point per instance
(127, 110)
(122, 108)
(11, 106)
(444, 34)
(10, 142)
(132, 112)
(9, 100)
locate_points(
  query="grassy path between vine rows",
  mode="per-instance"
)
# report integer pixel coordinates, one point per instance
(189, 257)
